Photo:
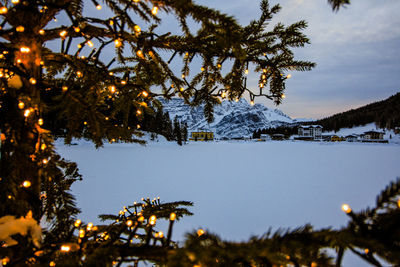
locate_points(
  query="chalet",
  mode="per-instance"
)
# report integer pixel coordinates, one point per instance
(310, 132)
(202, 136)
(264, 137)
(373, 135)
(352, 138)
(336, 138)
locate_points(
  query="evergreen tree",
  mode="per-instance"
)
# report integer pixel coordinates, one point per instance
(184, 131)
(177, 131)
(64, 78)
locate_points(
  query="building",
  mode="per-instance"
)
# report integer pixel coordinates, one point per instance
(264, 137)
(202, 136)
(352, 138)
(278, 137)
(309, 132)
(373, 135)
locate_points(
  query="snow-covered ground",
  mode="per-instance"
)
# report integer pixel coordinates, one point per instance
(239, 188)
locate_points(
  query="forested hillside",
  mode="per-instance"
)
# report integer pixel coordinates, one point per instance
(385, 113)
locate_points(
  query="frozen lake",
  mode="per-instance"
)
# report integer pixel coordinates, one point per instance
(238, 189)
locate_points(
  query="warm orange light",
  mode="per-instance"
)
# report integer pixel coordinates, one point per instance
(112, 89)
(26, 184)
(160, 234)
(236, 100)
(40, 121)
(141, 219)
(145, 94)
(90, 43)
(64, 88)
(200, 232)
(89, 226)
(81, 233)
(288, 76)
(202, 69)
(21, 105)
(52, 264)
(15, 1)
(41, 32)
(154, 11)
(65, 248)
(123, 82)
(398, 203)
(261, 85)
(139, 53)
(77, 29)
(346, 208)
(252, 102)
(172, 216)
(137, 28)
(25, 49)
(43, 147)
(219, 66)
(117, 43)
(63, 33)
(283, 96)
(79, 74)
(265, 70)
(98, 7)
(77, 223)
(366, 251)
(139, 112)
(27, 113)
(129, 223)
(32, 80)
(152, 220)
(3, 10)
(20, 28)
(45, 161)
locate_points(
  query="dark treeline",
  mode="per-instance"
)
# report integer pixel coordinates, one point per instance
(288, 131)
(385, 114)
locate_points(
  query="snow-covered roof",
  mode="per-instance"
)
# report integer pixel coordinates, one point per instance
(310, 126)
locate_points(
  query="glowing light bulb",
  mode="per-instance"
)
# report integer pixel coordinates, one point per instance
(15, 1)
(52, 264)
(77, 29)
(154, 11)
(139, 53)
(40, 121)
(90, 43)
(42, 32)
(137, 28)
(21, 105)
(111, 22)
(172, 216)
(79, 74)
(366, 251)
(32, 80)
(111, 73)
(183, 76)
(113, 89)
(219, 66)
(145, 94)
(236, 100)
(139, 112)
(3, 10)
(26, 113)
(65, 248)
(246, 71)
(20, 28)
(265, 70)
(89, 226)
(398, 203)
(129, 223)
(25, 49)
(200, 232)
(346, 208)
(63, 33)
(26, 184)
(43, 147)
(160, 234)
(152, 220)
(261, 85)
(182, 89)
(140, 219)
(64, 88)
(283, 96)
(77, 223)
(202, 69)
(98, 7)
(288, 76)
(252, 102)
(117, 43)
(45, 161)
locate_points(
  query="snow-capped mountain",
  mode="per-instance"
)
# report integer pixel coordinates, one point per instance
(231, 119)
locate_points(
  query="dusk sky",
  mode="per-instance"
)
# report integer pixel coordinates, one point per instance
(357, 51)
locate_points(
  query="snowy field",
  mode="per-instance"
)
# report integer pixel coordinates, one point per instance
(239, 188)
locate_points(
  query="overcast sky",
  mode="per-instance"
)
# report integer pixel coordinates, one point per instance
(357, 51)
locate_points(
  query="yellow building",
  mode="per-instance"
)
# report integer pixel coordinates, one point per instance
(202, 136)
